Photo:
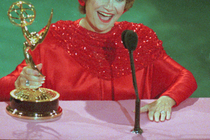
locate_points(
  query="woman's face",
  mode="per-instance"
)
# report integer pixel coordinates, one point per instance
(102, 14)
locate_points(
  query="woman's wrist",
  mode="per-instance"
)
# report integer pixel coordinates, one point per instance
(169, 100)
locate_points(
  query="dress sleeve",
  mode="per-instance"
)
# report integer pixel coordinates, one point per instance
(7, 82)
(173, 80)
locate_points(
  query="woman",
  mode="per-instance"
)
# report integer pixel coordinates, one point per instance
(86, 60)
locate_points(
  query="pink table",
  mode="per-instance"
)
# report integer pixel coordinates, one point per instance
(110, 120)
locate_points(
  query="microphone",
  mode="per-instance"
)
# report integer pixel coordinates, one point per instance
(130, 40)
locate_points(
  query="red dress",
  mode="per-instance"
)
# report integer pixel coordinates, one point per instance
(84, 65)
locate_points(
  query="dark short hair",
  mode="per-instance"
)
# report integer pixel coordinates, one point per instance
(128, 5)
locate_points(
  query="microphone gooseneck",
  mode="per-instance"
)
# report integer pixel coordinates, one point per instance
(130, 40)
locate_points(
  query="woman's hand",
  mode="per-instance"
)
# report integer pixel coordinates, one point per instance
(30, 78)
(159, 110)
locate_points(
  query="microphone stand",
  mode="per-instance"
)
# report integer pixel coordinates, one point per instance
(130, 40)
(137, 129)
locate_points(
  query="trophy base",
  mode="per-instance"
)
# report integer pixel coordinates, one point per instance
(33, 115)
(39, 109)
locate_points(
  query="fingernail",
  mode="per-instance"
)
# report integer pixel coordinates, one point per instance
(157, 120)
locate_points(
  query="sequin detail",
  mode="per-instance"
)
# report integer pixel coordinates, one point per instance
(104, 54)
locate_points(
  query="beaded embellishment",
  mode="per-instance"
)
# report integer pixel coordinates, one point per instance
(104, 54)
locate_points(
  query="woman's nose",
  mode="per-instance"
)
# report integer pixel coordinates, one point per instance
(108, 5)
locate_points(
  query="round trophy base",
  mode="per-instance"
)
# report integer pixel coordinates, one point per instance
(33, 104)
(33, 115)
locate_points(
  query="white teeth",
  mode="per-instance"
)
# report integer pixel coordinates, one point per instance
(104, 14)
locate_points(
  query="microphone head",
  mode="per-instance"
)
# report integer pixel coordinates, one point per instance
(123, 38)
(130, 39)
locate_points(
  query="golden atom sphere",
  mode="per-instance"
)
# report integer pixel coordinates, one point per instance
(21, 13)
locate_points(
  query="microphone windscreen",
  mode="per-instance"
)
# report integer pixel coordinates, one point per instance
(130, 39)
(123, 38)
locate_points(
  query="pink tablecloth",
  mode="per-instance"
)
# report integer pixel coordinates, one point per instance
(110, 120)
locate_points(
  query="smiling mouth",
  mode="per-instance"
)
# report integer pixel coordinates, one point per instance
(104, 17)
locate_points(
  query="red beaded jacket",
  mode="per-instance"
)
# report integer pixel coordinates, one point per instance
(85, 65)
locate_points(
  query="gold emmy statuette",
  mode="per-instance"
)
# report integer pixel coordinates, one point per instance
(26, 103)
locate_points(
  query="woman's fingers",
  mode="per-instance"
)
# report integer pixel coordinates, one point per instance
(144, 109)
(168, 116)
(29, 71)
(39, 66)
(151, 115)
(159, 110)
(30, 78)
(30, 82)
(163, 116)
